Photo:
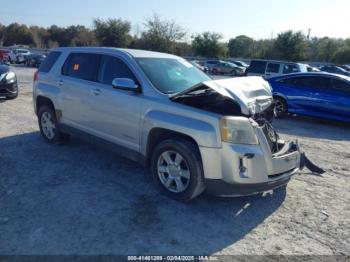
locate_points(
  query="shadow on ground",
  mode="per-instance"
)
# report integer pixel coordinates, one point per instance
(80, 199)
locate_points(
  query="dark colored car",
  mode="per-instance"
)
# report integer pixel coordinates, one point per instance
(8, 82)
(320, 95)
(335, 70)
(35, 60)
(345, 67)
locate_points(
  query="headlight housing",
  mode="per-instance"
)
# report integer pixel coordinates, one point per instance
(238, 130)
(9, 78)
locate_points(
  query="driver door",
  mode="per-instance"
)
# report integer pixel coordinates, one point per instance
(114, 113)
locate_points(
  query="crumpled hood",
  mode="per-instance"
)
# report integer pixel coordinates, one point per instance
(253, 94)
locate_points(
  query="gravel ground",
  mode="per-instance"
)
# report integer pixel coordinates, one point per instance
(79, 199)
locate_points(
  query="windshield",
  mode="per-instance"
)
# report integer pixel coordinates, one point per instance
(170, 75)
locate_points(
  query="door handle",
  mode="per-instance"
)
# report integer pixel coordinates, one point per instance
(96, 91)
(60, 82)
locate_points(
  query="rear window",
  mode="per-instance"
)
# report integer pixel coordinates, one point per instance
(49, 61)
(82, 65)
(257, 67)
(311, 82)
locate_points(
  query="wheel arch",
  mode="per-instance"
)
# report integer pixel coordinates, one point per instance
(158, 135)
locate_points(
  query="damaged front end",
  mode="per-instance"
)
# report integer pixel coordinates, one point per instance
(250, 98)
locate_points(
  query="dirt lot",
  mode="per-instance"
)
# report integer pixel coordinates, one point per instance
(80, 199)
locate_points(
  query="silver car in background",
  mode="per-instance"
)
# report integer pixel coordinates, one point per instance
(194, 133)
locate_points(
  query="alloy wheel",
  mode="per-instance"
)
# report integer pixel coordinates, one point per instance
(173, 171)
(48, 126)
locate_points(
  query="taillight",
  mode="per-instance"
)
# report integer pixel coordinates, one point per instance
(35, 76)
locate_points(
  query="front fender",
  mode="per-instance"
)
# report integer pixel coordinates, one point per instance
(202, 132)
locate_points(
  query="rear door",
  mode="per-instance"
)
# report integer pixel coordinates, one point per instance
(79, 74)
(338, 98)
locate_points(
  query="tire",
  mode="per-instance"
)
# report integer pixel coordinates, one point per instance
(234, 73)
(214, 71)
(182, 158)
(280, 107)
(48, 125)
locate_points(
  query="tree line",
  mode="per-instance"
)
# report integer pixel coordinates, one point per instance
(167, 36)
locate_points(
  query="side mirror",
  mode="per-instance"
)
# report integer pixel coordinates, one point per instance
(125, 84)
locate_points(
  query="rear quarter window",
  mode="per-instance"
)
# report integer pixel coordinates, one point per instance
(49, 61)
(257, 67)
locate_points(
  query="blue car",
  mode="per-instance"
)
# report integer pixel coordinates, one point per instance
(322, 95)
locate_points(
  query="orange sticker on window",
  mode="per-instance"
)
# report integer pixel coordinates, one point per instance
(76, 67)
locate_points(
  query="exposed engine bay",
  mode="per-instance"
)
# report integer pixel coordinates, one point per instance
(250, 97)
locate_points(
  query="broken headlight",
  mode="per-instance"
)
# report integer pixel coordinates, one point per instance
(238, 130)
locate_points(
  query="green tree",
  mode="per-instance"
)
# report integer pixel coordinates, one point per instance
(342, 56)
(208, 44)
(2, 33)
(161, 35)
(241, 46)
(112, 32)
(17, 34)
(40, 36)
(291, 46)
(327, 48)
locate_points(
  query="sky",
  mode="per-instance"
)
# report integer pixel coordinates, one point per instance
(255, 18)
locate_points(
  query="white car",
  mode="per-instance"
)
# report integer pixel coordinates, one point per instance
(18, 56)
(271, 68)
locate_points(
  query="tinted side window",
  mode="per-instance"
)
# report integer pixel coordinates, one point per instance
(257, 67)
(82, 65)
(273, 68)
(341, 85)
(49, 61)
(290, 68)
(112, 67)
(314, 82)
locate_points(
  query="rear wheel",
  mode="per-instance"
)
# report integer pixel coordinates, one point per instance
(214, 71)
(280, 107)
(177, 169)
(48, 124)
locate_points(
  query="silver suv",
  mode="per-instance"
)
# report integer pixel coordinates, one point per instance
(158, 109)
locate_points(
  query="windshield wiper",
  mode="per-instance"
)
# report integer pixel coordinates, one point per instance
(196, 90)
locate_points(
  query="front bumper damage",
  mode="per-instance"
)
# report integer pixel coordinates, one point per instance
(249, 170)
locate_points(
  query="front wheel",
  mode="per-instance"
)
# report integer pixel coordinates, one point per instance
(280, 107)
(177, 169)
